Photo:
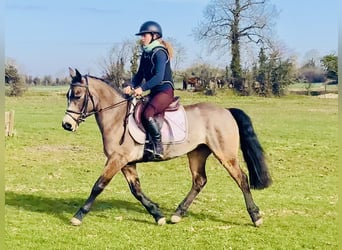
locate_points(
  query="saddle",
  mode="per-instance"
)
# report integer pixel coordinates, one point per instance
(172, 122)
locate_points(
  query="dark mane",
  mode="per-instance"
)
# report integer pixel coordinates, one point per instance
(116, 88)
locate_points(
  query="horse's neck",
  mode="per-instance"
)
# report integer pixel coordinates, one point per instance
(110, 106)
(106, 95)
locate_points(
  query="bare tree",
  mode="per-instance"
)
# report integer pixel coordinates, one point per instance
(179, 54)
(229, 22)
(113, 67)
(47, 80)
(136, 53)
(122, 61)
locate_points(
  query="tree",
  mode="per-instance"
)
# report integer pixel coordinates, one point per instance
(13, 79)
(274, 73)
(114, 65)
(311, 73)
(36, 80)
(136, 53)
(28, 79)
(261, 77)
(11, 74)
(282, 73)
(329, 63)
(229, 22)
(47, 80)
(179, 54)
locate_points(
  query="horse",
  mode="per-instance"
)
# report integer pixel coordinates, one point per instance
(214, 130)
(194, 81)
(220, 83)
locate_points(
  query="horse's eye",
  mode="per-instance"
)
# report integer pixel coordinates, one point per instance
(77, 93)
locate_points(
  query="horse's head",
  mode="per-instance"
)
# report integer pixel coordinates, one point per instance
(78, 97)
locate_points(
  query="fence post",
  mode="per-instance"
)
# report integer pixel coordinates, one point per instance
(9, 123)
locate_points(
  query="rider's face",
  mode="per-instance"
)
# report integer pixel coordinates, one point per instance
(146, 38)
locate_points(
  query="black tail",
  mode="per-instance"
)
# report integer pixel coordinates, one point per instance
(253, 153)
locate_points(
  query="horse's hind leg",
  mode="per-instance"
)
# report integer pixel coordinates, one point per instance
(197, 159)
(233, 168)
(132, 178)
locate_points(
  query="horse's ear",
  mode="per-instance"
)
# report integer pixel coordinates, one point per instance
(78, 76)
(75, 75)
(72, 72)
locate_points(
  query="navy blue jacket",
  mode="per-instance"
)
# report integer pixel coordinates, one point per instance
(155, 69)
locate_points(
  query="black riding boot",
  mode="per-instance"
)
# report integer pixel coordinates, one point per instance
(153, 130)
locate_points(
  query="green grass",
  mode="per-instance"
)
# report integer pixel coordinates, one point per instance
(319, 87)
(49, 173)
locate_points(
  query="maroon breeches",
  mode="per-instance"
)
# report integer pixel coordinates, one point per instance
(158, 103)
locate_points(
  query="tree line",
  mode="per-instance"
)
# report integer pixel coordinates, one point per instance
(229, 27)
(269, 76)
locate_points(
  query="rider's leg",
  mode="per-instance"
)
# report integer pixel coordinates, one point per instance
(157, 104)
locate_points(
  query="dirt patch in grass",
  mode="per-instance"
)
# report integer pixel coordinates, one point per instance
(329, 95)
(56, 148)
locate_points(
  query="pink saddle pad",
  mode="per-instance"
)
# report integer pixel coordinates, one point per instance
(174, 128)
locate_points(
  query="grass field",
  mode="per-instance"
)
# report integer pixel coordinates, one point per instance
(49, 173)
(313, 88)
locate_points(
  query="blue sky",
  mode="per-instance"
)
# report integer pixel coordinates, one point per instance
(46, 37)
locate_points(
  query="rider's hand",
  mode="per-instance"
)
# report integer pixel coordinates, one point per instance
(127, 90)
(138, 91)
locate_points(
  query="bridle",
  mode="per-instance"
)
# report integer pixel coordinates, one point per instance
(83, 114)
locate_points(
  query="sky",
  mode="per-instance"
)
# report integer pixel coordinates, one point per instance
(46, 37)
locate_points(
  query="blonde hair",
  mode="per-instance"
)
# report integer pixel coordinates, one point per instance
(166, 44)
(168, 47)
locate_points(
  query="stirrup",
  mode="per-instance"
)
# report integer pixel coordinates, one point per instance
(151, 155)
(158, 156)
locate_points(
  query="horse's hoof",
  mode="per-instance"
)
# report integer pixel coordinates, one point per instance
(75, 222)
(161, 221)
(258, 222)
(175, 219)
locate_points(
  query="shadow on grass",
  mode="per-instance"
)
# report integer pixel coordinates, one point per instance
(64, 208)
(60, 207)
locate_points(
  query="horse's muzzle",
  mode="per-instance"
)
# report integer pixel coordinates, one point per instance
(67, 126)
(69, 123)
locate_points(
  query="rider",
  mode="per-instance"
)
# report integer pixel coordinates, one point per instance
(154, 74)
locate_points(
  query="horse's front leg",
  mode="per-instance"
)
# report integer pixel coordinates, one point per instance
(132, 178)
(113, 165)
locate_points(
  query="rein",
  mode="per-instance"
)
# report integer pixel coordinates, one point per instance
(83, 114)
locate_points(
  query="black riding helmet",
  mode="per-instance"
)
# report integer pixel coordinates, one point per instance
(150, 27)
